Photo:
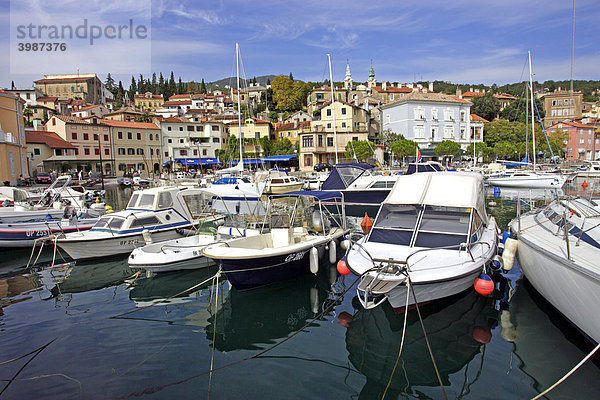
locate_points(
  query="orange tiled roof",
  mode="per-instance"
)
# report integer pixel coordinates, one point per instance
(177, 102)
(70, 119)
(290, 125)
(128, 124)
(393, 89)
(572, 123)
(475, 117)
(50, 139)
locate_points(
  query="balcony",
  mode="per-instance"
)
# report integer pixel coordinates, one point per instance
(7, 137)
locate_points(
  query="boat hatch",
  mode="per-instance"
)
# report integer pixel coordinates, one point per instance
(424, 226)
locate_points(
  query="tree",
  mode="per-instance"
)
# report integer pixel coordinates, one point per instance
(502, 130)
(154, 84)
(109, 84)
(266, 146)
(483, 151)
(486, 106)
(132, 88)
(505, 150)
(359, 150)
(447, 148)
(273, 117)
(300, 91)
(172, 85)
(520, 110)
(28, 113)
(180, 87)
(282, 147)
(203, 87)
(402, 147)
(291, 77)
(119, 96)
(283, 93)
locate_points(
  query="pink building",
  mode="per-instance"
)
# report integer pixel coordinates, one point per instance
(582, 143)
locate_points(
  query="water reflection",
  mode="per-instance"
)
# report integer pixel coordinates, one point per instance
(456, 328)
(252, 319)
(548, 347)
(14, 289)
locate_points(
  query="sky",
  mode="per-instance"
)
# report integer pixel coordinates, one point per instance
(461, 41)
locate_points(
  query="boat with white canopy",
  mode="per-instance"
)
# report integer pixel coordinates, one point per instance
(433, 230)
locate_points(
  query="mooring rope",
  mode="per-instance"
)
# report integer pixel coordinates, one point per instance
(561, 380)
(401, 341)
(37, 352)
(212, 353)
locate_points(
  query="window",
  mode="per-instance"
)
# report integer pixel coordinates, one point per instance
(76, 151)
(203, 152)
(96, 151)
(320, 140)
(86, 151)
(181, 129)
(151, 136)
(329, 125)
(355, 138)
(181, 141)
(129, 135)
(343, 109)
(139, 136)
(168, 128)
(307, 141)
(257, 135)
(463, 134)
(448, 131)
(74, 135)
(419, 131)
(190, 128)
(130, 151)
(146, 200)
(95, 137)
(387, 118)
(106, 138)
(169, 140)
(183, 152)
(140, 152)
(166, 154)
(329, 112)
(106, 152)
(216, 140)
(121, 151)
(344, 124)
(86, 136)
(164, 200)
(434, 132)
(330, 141)
(120, 135)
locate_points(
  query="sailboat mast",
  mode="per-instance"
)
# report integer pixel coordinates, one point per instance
(532, 112)
(237, 74)
(333, 110)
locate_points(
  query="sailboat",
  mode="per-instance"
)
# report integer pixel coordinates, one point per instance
(529, 179)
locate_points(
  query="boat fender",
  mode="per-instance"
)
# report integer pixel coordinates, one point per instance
(147, 236)
(366, 224)
(484, 285)
(345, 244)
(482, 334)
(317, 221)
(332, 275)
(500, 248)
(332, 252)
(314, 260)
(345, 318)
(496, 264)
(510, 250)
(492, 203)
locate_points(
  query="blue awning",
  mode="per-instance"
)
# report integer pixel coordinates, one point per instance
(199, 161)
(247, 161)
(280, 158)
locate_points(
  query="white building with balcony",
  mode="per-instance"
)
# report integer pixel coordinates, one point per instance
(429, 119)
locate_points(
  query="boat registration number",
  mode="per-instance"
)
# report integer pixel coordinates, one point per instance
(295, 256)
(130, 241)
(38, 233)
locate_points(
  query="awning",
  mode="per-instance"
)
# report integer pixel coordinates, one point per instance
(280, 158)
(199, 161)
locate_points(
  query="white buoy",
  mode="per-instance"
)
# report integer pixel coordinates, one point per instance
(508, 331)
(508, 255)
(332, 252)
(147, 236)
(314, 260)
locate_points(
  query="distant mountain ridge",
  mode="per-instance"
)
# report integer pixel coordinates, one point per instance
(231, 81)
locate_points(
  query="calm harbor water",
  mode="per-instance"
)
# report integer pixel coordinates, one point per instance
(93, 350)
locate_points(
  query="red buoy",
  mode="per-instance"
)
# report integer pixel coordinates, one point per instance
(484, 285)
(584, 185)
(482, 334)
(344, 319)
(366, 224)
(342, 267)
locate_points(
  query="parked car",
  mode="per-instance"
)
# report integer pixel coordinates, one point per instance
(43, 177)
(323, 167)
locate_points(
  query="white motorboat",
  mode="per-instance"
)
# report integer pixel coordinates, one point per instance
(296, 240)
(152, 215)
(561, 263)
(278, 181)
(528, 179)
(185, 253)
(432, 229)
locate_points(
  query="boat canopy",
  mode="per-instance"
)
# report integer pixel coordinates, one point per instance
(343, 175)
(318, 194)
(459, 189)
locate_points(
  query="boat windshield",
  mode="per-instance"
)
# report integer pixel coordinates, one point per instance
(133, 200)
(19, 195)
(116, 223)
(438, 227)
(146, 200)
(102, 222)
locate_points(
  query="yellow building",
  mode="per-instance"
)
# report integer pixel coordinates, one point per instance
(560, 105)
(148, 101)
(253, 128)
(291, 130)
(87, 87)
(318, 145)
(13, 147)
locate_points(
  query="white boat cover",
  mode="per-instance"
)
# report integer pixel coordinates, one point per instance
(449, 189)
